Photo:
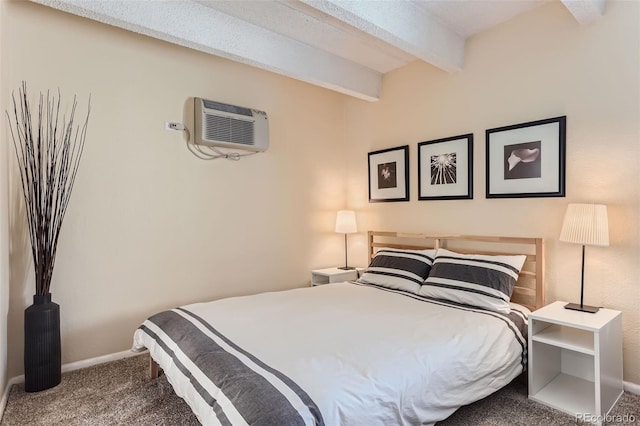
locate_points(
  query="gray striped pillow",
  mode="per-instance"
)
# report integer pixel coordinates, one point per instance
(399, 269)
(474, 279)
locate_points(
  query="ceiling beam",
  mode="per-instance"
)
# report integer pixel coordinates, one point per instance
(214, 32)
(585, 11)
(404, 24)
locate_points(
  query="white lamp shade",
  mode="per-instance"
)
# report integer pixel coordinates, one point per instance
(586, 224)
(346, 222)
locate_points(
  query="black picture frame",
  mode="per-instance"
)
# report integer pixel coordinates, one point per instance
(527, 159)
(445, 168)
(389, 175)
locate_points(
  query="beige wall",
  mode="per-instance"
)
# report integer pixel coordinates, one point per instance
(4, 222)
(538, 66)
(149, 225)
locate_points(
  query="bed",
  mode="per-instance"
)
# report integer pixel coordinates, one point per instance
(378, 351)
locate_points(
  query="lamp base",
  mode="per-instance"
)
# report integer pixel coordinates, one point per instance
(583, 308)
(346, 268)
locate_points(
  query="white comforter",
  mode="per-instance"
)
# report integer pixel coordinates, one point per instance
(365, 356)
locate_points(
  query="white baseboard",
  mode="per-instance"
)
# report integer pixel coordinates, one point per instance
(98, 360)
(3, 399)
(77, 365)
(631, 387)
(5, 394)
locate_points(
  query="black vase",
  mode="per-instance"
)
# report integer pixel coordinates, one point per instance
(42, 352)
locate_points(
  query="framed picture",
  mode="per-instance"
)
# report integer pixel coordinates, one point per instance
(445, 168)
(389, 175)
(527, 160)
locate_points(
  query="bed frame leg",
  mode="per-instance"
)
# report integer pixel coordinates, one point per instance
(153, 368)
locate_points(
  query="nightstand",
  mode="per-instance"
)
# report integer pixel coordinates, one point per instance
(332, 275)
(575, 360)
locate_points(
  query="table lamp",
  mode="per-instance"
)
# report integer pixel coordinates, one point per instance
(346, 224)
(585, 224)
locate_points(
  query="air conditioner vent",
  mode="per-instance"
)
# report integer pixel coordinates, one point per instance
(227, 129)
(218, 106)
(230, 126)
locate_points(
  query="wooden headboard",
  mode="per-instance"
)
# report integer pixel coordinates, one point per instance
(529, 289)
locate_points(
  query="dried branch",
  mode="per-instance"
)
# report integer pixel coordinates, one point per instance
(48, 158)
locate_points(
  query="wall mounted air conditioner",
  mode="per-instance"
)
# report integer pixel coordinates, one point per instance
(230, 126)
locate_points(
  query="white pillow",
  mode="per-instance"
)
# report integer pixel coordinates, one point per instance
(399, 269)
(474, 279)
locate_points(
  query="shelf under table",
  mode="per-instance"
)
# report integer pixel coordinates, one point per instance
(568, 394)
(566, 337)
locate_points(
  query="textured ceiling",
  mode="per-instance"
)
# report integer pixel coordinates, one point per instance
(471, 17)
(343, 45)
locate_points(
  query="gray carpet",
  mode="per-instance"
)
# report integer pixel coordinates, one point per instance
(115, 393)
(119, 393)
